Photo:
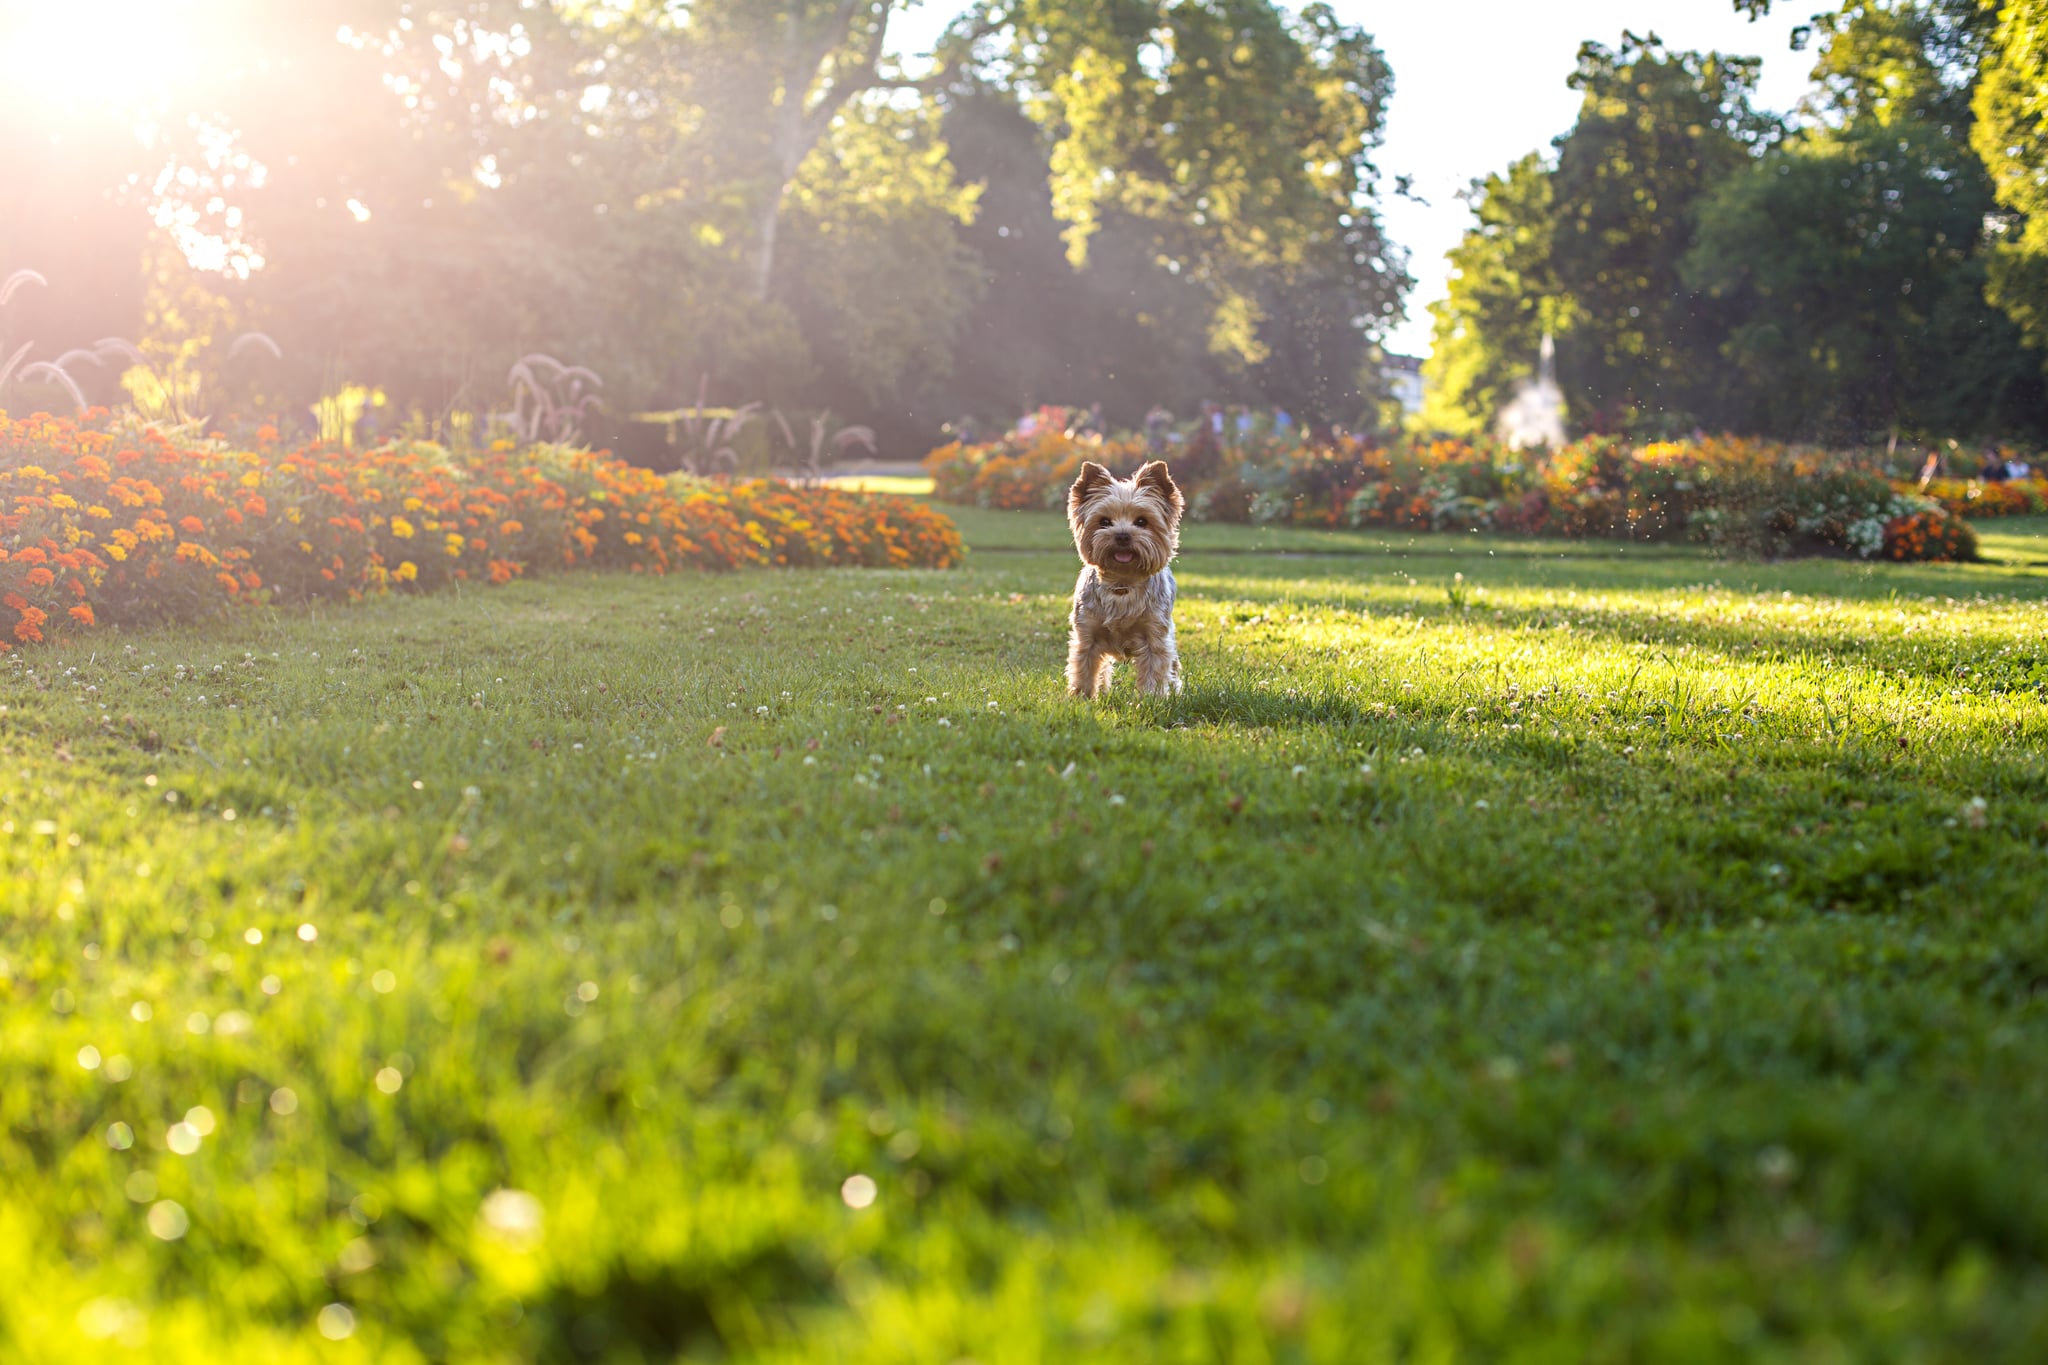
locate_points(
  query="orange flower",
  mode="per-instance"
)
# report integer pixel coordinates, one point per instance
(40, 578)
(82, 613)
(192, 526)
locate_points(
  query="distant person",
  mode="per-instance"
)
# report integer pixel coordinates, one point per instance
(1929, 469)
(1204, 451)
(2016, 469)
(1994, 468)
(1158, 431)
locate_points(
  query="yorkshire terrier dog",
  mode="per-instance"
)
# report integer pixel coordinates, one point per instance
(1127, 531)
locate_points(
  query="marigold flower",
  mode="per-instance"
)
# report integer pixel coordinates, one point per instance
(40, 578)
(82, 613)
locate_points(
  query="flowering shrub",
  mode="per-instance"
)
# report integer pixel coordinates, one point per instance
(1975, 498)
(1739, 496)
(1929, 534)
(101, 523)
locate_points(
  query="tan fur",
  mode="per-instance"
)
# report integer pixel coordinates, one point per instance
(1127, 532)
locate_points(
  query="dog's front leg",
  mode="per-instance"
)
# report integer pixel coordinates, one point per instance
(1158, 671)
(1087, 667)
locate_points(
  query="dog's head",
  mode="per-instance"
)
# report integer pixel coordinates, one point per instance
(1129, 528)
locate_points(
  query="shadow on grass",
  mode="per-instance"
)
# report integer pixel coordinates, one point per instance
(1845, 580)
(1259, 707)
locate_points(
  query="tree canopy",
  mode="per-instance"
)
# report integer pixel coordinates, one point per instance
(1828, 277)
(2011, 135)
(756, 195)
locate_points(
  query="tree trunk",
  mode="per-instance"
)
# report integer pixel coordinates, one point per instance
(766, 224)
(798, 125)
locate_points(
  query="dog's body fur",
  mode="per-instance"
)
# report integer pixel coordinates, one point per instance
(1127, 532)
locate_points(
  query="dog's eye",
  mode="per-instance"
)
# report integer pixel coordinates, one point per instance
(1140, 522)
(1106, 521)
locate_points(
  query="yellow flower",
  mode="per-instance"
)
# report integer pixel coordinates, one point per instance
(401, 528)
(99, 513)
(63, 500)
(116, 553)
(291, 514)
(407, 572)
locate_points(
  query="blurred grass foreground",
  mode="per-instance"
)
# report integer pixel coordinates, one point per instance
(1611, 955)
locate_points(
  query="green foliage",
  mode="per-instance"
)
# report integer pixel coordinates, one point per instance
(877, 271)
(1849, 261)
(1848, 268)
(758, 192)
(1504, 295)
(1615, 958)
(1241, 134)
(2011, 135)
(1591, 249)
(1744, 498)
(1657, 131)
(1705, 268)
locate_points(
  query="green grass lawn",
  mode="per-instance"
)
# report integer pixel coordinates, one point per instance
(1501, 951)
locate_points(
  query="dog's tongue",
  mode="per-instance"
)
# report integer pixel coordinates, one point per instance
(1125, 556)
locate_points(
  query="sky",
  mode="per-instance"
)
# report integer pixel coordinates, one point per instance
(1479, 83)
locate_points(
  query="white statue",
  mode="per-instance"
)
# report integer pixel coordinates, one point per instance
(1535, 416)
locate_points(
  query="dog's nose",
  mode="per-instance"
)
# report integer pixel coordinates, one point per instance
(1123, 537)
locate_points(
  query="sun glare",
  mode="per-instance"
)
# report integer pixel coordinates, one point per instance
(63, 61)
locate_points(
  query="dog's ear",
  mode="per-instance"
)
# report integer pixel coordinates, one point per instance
(1091, 477)
(1156, 477)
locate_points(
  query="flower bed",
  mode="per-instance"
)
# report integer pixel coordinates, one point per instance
(1739, 496)
(100, 523)
(1976, 498)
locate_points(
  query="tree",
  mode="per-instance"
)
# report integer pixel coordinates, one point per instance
(1504, 295)
(1849, 259)
(764, 81)
(454, 184)
(1242, 135)
(2011, 135)
(1657, 131)
(1123, 330)
(1590, 249)
(1847, 263)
